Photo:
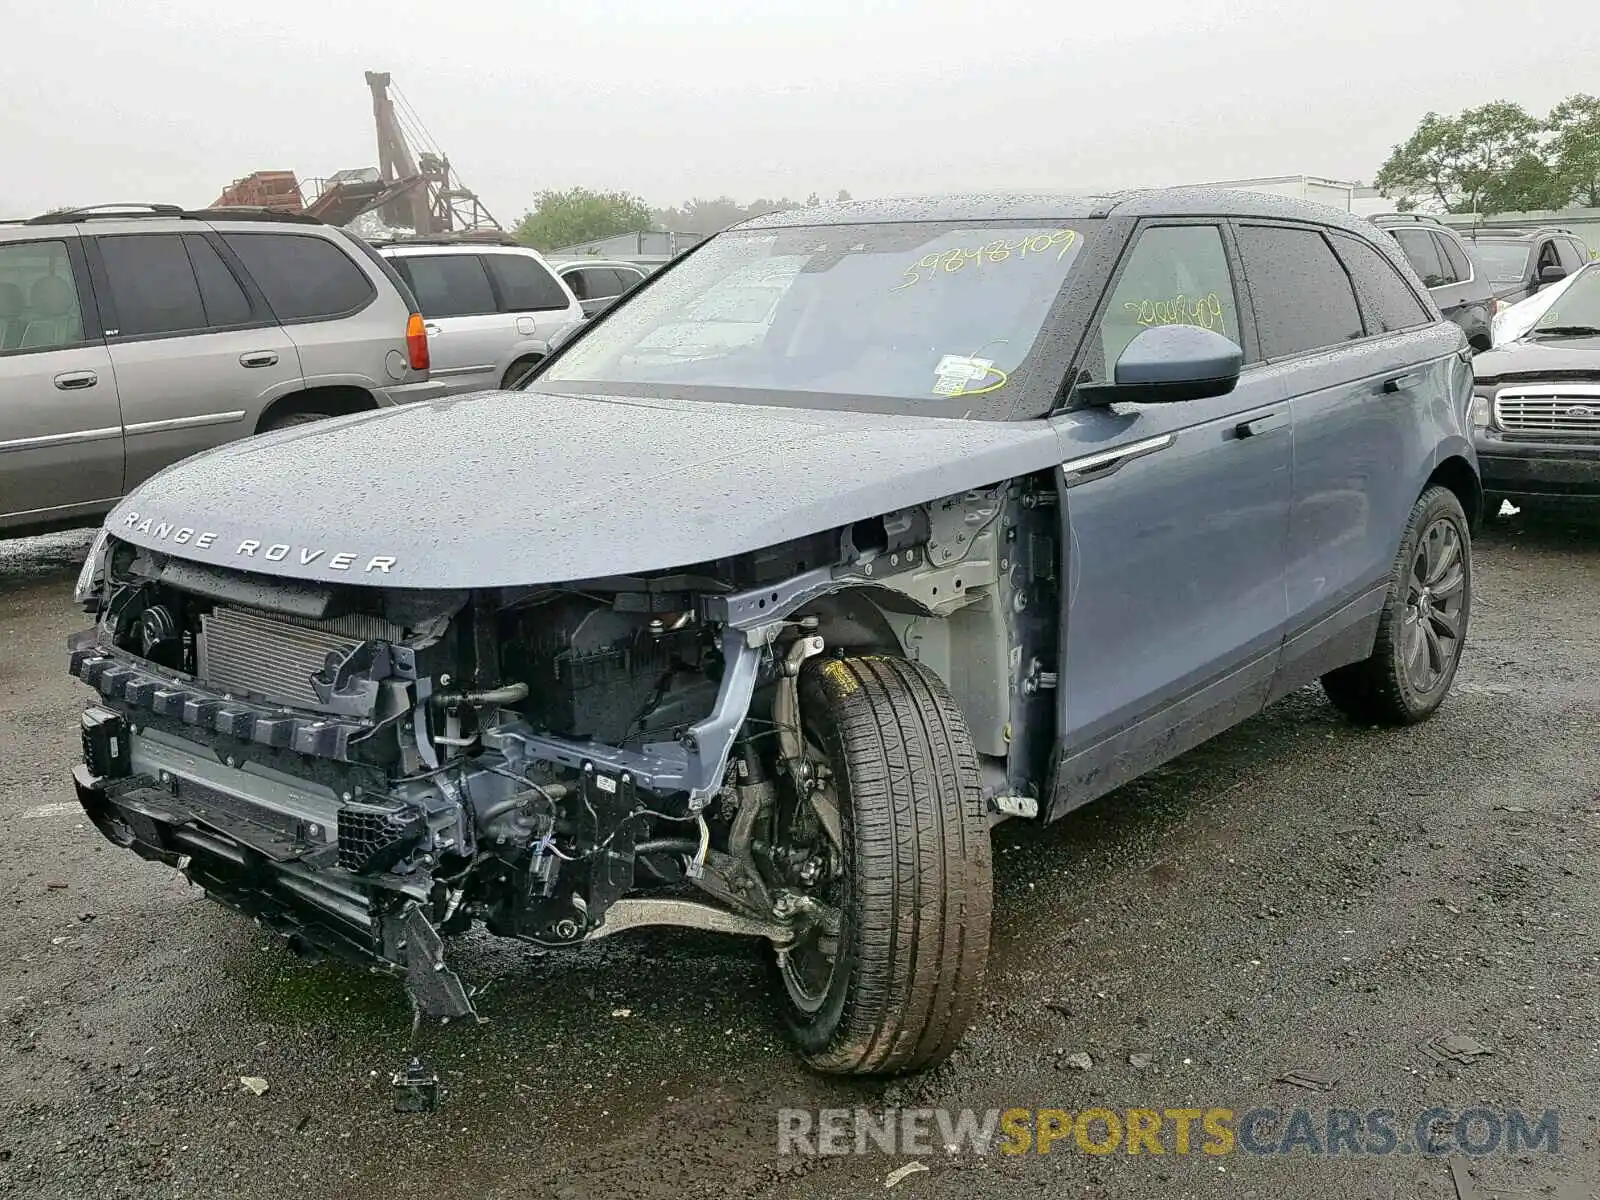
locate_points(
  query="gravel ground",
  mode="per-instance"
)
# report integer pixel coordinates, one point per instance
(1299, 895)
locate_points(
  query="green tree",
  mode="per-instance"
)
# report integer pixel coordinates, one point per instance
(577, 215)
(1484, 159)
(1574, 127)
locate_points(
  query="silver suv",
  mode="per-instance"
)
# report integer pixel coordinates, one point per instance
(132, 336)
(493, 308)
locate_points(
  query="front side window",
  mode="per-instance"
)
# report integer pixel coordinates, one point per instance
(1176, 275)
(1302, 297)
(153, 289)
(449, 285)
(1505, 262)
(1390, 303)
(38, 298)
(303, 277)
(937, 317)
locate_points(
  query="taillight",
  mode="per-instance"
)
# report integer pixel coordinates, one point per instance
(417, 342)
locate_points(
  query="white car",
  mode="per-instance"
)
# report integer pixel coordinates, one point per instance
(1514, 320)
(599, 283)
(491, 309)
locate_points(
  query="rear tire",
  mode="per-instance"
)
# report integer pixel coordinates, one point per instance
(915, 889)
(518, 371)
(1423, 626)
(288, 420)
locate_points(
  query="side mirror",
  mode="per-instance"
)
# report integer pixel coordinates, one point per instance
(1168, 363)
(1552, 274)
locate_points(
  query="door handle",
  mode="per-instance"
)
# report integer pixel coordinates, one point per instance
(258, 358)
(69, 381)
(432, 329)
(1258, 425)
(1398, 382)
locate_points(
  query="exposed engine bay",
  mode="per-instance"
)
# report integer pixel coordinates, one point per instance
(368, 770)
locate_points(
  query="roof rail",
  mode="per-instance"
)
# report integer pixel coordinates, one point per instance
(471, 237)
(122, 212)
(90, 211)
(1425, 218)
(250, 212)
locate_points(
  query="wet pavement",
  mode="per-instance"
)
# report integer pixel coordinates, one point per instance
(1299, 896)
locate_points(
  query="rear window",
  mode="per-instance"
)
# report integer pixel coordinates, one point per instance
(524, 285)
(303, 277)
(448, 285)
(1505, 262)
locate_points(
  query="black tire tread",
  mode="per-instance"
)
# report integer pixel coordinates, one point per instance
(919, 858)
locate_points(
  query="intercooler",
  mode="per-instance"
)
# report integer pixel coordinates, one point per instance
(244, 652)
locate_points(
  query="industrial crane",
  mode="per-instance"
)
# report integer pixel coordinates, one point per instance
(413, 185)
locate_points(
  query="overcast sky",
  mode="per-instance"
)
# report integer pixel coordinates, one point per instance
(677, 98)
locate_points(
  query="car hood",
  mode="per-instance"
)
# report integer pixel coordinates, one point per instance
(512, 488)
(1558, 358)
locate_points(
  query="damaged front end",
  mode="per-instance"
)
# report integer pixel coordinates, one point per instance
(368, 770)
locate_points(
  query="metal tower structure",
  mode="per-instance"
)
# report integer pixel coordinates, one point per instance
(438, 202)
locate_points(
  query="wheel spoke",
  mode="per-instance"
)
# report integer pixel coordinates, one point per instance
(1416, 646)
(1442, 553)
(1436, 658)
(1447, 623)
(1450, 585)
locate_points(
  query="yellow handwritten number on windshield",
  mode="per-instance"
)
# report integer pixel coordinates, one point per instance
(948, 262)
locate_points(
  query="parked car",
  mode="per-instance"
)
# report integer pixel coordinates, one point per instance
(1521, 261)
(132, 336)
(1536, 408)
(600, 282)
(1016, 499)
(492, 308)
(1452, 278)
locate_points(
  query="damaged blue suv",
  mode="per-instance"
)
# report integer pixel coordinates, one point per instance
(850, 533)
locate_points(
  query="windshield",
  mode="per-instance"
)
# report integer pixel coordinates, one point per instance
(1577, 308)
(938, 318)
(1505, 262)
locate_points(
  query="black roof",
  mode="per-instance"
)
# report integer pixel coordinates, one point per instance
(1045, 206)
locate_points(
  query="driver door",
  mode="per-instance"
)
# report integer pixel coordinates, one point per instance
(1176, 519)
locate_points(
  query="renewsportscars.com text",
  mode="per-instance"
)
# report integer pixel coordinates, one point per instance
(1208, 1131)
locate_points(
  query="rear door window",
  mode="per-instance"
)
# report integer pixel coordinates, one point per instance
(302, 276)
(152, 285)
(1422, 251)
(1387, 298)
(38, 298)
(525, 285)
(449, 285)
(1302, 297)
(220, 294)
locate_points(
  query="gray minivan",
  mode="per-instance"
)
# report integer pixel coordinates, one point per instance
(132, 336)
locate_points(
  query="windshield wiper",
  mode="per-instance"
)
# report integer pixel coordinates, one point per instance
(1560, 330)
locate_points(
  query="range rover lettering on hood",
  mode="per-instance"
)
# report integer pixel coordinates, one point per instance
(305, 556)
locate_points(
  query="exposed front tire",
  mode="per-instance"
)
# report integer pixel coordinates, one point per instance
(911, 876)
(1424, 622)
